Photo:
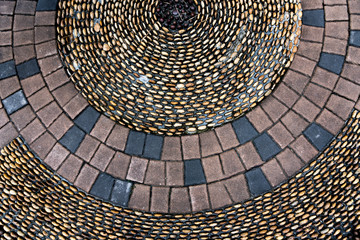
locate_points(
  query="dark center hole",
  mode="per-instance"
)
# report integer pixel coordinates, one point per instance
(176, 14)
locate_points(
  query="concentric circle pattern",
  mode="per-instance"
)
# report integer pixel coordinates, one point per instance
(145, 76)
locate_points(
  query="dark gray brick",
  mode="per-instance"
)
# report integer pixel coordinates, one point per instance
(314, 18)
(7, 69)
(46, 5)
(244, 130)
(14, 102)
(121, 192)
(103, 186)
(266, 147)
(257, 182)
(135, 143)
(86, 119)
(153, 146)
(318, 136)
(332, 62)
(194, 172)
(355, 38)
(28, 69)
(72, 138)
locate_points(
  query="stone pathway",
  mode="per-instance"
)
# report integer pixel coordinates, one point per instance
(210, 170)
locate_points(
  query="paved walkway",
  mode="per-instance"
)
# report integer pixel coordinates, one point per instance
(217, 168)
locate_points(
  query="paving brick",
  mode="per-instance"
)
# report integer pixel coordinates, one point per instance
(75, 106)
(190, 146)
(153, 146)
(65, 93)
(119, 165)
(337, 29)
(318, 136)
(296, 81)
(273, 172)
(294, 123)
(317, 94)
(56, 79)
(257, 182)
(7, 133)
(281, 135)
(266, 146)
(159, 199)
(5, 38)
(121, 192)
(46, 49)
(44, 34)
(22, 54)
(286, 95)
(25, 7)
(5, 22)
(6, 54)
(354, 6)
(340, 106)
(179, 200)
(40, 99)
(49, 64)
(72, 138)
(335, 46)
(336, 13)
(22, 117)
(310, 33)
(49, 113)
(303, 65)
(352, 55)
(218, 195)
(347, 89)
(61, 125)
(87, 119)
(7, 69)
(117, 138)
(290, 162)
(3, 118)
(102, 186)
(56, 156)
(258, 118)
(23, 22)
(70, 168)
(102, 128)
(171, 149)
(304, 149)
(314, 17)
(102, 157)
(310, 50)
(32, 84)
(32, 131)
(249, 156)
(199, 197)
(330, 121)
(46, 5)
(135, 143)
(227, 136)
(7, 7)
(351, 72)
(209, 144)
(231, 163)
(9, 86)
(43, 145)
(325, 78)
(140, 197)
(45, 18)
(86, 177)
(244, 129)
(155, 174)
(212, 168)
(237, 188)
(174, 173)
(306, 109)
(137, 169)
(193, 172)
(23, 37)
(332, 62)
(274, 108)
